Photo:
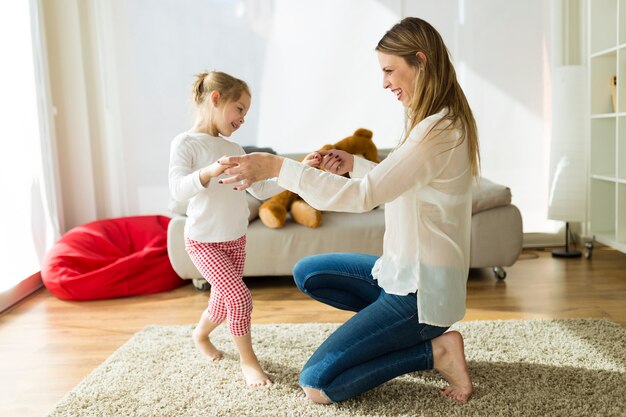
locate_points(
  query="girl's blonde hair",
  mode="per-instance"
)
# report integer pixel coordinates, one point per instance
(229, 87)
(435, 86)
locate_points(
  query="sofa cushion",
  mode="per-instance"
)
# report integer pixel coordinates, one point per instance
(487, 195)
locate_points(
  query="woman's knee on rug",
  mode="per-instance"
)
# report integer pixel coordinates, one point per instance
(316, 395)
(313, 379)
(317, 375)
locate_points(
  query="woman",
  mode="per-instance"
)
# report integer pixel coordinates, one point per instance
(406, 299)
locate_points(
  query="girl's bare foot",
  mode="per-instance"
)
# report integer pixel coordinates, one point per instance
(252, 371)
(449, 360)
(203, 343)
(254, 375)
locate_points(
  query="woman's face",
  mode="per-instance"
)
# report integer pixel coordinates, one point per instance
(398, 76)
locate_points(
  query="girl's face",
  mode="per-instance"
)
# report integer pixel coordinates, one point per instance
(232, 115)
(398, 76)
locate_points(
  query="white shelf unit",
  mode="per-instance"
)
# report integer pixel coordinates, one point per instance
(606, 44)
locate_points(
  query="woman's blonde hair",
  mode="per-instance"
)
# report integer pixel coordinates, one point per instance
(229, 87)
(435, 86)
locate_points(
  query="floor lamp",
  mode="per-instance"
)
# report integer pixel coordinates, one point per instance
(567, 194)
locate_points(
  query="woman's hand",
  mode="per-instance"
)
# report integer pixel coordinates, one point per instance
(250, 168)
(336, 161)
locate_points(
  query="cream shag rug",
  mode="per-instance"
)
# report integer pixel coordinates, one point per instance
(574, 367)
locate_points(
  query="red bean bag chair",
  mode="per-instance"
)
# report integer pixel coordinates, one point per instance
(111, 258)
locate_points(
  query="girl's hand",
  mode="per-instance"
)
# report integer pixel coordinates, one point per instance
(336, 161)
(314, 159)
(214, 170)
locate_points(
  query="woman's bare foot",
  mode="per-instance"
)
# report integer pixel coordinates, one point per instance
(254, 375)
(203, 343)
(449, 360)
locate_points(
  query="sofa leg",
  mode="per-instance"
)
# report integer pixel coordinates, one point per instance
(499, 272)
(201, 284)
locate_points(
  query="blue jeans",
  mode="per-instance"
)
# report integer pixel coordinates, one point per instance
(382, 341)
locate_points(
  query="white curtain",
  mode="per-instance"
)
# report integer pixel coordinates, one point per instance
(28, 215)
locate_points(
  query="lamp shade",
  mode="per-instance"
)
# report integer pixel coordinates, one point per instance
(567, 193)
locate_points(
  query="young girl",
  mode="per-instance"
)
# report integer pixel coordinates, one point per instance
(218, 214)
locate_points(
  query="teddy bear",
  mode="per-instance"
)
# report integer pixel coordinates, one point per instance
(273, 212)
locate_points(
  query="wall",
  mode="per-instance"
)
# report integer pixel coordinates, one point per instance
(314, 77)
(501, 51)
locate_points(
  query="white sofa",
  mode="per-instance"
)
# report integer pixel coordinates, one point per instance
(496, 239)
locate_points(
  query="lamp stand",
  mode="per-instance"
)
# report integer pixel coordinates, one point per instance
(566, 253)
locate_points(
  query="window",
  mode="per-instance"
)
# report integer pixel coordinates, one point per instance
(26, 230)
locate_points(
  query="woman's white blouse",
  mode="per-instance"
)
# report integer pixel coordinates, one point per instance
(426, 186)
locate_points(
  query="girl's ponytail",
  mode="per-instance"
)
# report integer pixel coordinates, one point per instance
(229, 87)
(198, 88)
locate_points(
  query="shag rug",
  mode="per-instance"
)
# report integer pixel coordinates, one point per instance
(573, 367)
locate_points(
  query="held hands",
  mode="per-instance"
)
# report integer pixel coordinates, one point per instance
(336, 161)
(250, 168)
(211, 171)
(258, 166)
(314, 159)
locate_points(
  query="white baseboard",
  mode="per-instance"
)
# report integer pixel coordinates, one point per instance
(550, 240)
(539, 240)
(20, 291)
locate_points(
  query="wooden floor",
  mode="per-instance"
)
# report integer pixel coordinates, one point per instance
(47, 346)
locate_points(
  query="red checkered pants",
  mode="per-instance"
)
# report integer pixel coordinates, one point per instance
(221, 264)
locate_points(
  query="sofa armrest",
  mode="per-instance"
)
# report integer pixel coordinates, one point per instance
(496, 237)
(181, 262)
(487, 195)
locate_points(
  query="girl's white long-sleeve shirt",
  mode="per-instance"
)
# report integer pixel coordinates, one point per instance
(216, 212)
(425, 185)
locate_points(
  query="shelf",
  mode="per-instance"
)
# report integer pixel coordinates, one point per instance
(622, 19)
(606, 178)
(621, 215)
(621, 85)
(607, 115)
(607, 52)
(603, 147)
(621, 149)
(605, 237)
(609, 179)
(608, 239)
(602, 217)
(603, 69)
(613, 180)
(603, 15)
(607, 121)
